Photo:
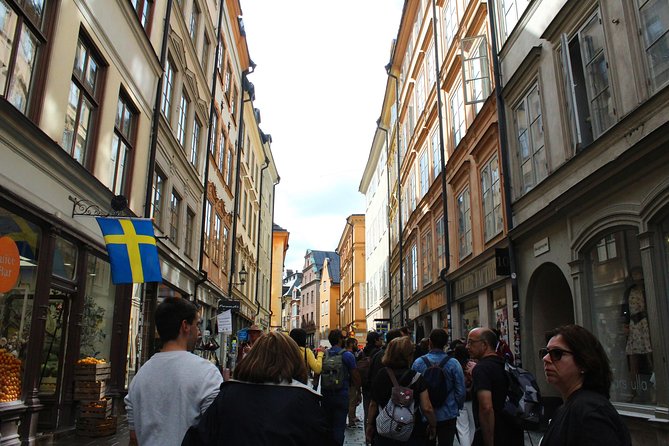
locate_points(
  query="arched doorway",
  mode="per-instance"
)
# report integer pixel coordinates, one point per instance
(549, 304)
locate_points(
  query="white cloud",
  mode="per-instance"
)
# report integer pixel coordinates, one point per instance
(319, 81)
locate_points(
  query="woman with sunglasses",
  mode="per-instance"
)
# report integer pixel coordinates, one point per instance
(576, 364)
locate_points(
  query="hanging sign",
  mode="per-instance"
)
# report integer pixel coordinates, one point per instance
(225, 322)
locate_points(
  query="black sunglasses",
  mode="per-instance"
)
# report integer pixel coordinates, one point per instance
(554, 353)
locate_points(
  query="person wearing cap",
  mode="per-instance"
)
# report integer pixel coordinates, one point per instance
(254, 332)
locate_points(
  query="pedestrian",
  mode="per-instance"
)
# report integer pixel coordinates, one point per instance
(268, 401)
(354, 392)
(312, 362)
(338, 372)
(489, 390)
(372, 346)
(465, 423)
(576, 364)
(451, 384)
(376, 364)
(397, 360)
(502, 349)
(174, 388)
(253, 333)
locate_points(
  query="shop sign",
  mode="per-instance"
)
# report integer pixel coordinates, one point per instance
(542, 247)
(477, 279)
(10, 264)
(225, 305)
(502, 262)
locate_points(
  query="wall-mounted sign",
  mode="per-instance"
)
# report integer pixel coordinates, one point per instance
(502, 262)
(10, 264)
(541, 247)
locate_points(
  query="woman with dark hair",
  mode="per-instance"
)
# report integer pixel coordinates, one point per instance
(397, 359)
(313, 364)
(576, 364)
(266, 402)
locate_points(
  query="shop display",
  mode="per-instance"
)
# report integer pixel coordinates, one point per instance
(10, 376)
(94, 417)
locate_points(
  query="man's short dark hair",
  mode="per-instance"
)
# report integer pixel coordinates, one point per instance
(299, 335)
(334, 337)
(351, 342)
(439, 338)
(169, 315)
(392, 334)
(372, 337)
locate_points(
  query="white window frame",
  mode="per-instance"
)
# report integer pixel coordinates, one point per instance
(475, 70)
(458, 118)
(464, 223)
(491, 196)
(533, 161)
(648, 41)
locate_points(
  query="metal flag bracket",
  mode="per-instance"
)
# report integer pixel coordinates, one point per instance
(82, 207)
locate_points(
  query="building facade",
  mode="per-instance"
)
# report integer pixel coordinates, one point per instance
(310, 289)
(290, 300)
(353, 302)
(282, 286)
(585, 93)
(329, 317)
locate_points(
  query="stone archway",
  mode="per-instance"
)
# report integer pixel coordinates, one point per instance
(549, 304)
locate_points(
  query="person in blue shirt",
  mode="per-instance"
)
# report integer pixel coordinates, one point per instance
(448, 412)
(335, 401)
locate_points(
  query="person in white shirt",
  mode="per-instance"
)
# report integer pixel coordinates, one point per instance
(175, 387)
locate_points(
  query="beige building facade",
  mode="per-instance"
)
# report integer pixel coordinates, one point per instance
(353, 302)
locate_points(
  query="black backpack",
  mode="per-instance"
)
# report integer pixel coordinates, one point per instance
(334, 371)
(437, 383)
(523, 402)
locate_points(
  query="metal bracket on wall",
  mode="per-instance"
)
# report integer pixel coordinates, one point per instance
(81, 207)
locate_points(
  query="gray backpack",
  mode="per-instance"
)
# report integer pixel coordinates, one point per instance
(396, 419)
(334, 371)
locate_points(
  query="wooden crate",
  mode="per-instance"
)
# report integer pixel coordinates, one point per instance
(89, 390)
(92, 372)
(96, 409)
(96, 427)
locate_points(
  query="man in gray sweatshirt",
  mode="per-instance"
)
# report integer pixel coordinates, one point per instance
(175, 387)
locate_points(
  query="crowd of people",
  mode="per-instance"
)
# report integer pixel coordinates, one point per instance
(284, 393)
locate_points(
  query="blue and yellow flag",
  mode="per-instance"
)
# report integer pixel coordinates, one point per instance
(132, 250)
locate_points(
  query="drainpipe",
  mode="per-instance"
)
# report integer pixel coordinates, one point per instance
(506, 176)
(210, 136)
(258, 239)
(271, 251)
(240, 141)
(399, 190)
(390, 244)
(444, 196)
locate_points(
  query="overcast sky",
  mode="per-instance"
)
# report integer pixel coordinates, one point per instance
(319, 85)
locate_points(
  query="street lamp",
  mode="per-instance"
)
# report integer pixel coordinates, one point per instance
(243, 275)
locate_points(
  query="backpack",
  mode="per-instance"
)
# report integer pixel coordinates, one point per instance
(396, 419)
(333, 372)
(523, 398)
(437, 383)
(363, 365)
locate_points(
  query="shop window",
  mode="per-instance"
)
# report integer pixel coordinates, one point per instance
(98, 313)
(501, 313)
(470, 315)
(619, 312)
(65, 259)
(16, 300)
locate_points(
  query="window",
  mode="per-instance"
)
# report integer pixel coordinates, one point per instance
(243, 205)
(424, 174)
(183, 115)
(457, 115)
(217, 239)
(511, 10)
(450, 23)
(168, 85)
(492, 199)
(414, 268)
(475, 70)
(420, 93)
(207, 226)
(195, 143)
(82, 103)
(221, 151)
(121, 145)
(22, 41)
(586, 76)
(439, 231)
(175, 215)
(429, 67)
(426, 257)
(190, 225)
(654, 17)
(221, 57)
(144, 10)
(233, 106)
(194, 21)
(464, 224)
(214, 131)
(530, 136)
(228, 168)
(227, 82)
(436, 156)
(157, 202)
(206, 46)
(619, 312)
(224, 261)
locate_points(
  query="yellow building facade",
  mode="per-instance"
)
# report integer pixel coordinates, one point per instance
(351, 250)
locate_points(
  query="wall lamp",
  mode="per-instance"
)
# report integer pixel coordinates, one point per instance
(243, 275)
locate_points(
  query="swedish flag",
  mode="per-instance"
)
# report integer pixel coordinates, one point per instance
(132, 250)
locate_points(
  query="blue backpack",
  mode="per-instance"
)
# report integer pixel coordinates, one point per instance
(437, 383)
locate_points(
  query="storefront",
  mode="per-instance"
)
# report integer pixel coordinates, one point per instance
(58, 305)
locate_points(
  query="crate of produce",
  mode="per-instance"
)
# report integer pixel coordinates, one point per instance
(96, 409)
(96, 427)
(89, 390)
(87, 370)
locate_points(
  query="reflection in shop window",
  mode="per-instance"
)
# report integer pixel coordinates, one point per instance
(620, 315)
(16, 304)
(97, 318)
(64, 259)
(469, 310)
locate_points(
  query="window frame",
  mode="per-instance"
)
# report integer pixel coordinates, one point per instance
(533, 152)
(175, 216)
(158, 197)
(125, 138)
(644, 46)
(190, 226)
(495, 186)
(464, 223)
(168, 88)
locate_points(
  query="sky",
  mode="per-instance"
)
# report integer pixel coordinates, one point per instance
(319, 85)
